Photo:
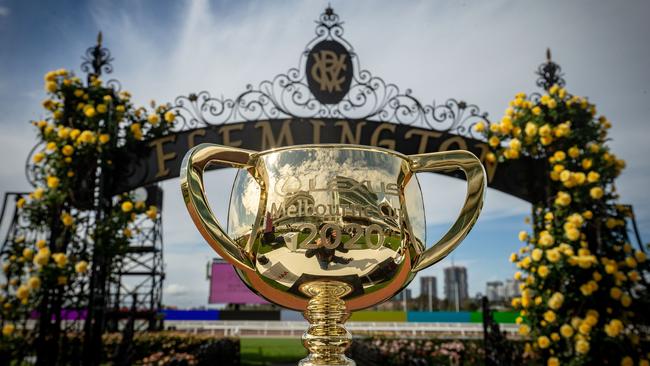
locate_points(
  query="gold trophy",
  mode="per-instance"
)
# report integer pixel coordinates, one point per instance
(327, 229)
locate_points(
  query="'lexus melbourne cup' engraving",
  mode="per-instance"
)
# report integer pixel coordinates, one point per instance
(327, 229)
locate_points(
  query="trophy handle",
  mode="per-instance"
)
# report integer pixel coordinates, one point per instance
(192, 187)
(475, 174)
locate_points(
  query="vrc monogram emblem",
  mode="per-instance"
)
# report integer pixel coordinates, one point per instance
(329, 71)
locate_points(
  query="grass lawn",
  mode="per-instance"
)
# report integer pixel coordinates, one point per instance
(268, 351)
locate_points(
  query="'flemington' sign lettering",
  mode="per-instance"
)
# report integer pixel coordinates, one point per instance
(161, 158)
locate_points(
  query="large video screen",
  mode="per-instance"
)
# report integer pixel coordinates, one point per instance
(227, 288)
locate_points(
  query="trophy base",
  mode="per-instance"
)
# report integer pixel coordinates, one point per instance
(326, 339)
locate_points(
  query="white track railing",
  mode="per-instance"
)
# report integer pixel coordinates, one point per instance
(247, 328)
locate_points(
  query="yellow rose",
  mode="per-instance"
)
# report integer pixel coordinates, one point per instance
(614, 328)
(20, 202)
(490, 158)
(89, 111)
(74, 134)
(8, 329)
(517, 276)
(549, 316)
(593, 177)
(566, 330)
(60, 259)
(559, 155)
(626, 300)
(536, 111)
(644, 362)
(523, 236)
(530, 129)
(615, 293)
(563, 199)
(22, 292)
(50, 86)
(565, 176)
(543, 342)
(545, 239)
(553, 255)
(586, 164)
(524, 330)
(494, 141)
(556, 300)
(40, 244)
(52, 182)
(152, 212)
(627, 361)
(104, 138)
(640, 256)
(38, 157)
(630, 262)
(67, 150)
(572, 234)
(153, 118)
(515, 144)
(537, 254)
(582, 346)
(81, 267)
(171, 116)
(542, 271)
(596, 193)
(63, 133)
(101, 108)
(34, 282)
(136, 130)
(51, 146)
(67, 219)
(127, 206)
(120, 109)
(574, 152)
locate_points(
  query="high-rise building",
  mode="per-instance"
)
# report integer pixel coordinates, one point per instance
(429, 290)
(456, 291)
(511, 289)
(495, 291)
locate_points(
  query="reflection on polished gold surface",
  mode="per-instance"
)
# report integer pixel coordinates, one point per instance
(327, 229)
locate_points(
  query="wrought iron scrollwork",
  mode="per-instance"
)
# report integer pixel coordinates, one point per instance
(97, 61)
(549, 73)
(288, 96)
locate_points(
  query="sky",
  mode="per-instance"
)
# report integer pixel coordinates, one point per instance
(478, 51)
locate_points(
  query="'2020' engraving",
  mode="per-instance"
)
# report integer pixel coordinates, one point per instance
(331, 235)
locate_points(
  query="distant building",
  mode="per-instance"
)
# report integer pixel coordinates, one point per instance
(456, 291)
(429, 291)
(495, 291)
(400, 296)
(511, 289)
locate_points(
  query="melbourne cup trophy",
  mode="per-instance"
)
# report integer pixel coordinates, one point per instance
(327, 229)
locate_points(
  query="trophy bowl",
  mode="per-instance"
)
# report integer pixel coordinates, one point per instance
(327, 229)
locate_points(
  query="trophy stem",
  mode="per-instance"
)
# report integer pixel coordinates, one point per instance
(326, 339)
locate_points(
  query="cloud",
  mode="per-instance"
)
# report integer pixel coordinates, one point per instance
(175, 290)
(4, 11)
